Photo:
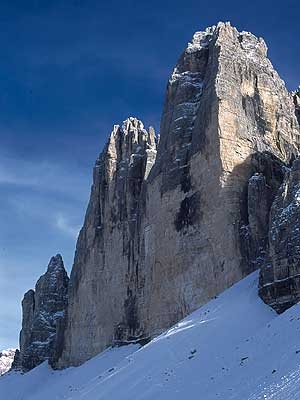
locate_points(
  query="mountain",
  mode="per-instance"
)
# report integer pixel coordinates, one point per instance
(6, 360)
(170, 225)
(175, 220)
(43, 317)
(235, 347)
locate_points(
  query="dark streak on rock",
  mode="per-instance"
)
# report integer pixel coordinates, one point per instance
(189, 212)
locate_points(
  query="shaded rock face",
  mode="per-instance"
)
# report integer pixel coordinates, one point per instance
(262, 188)
(163, 235)
(6, 360)
(296, 97)
(43, 316)
(280, 275)
(105, 280)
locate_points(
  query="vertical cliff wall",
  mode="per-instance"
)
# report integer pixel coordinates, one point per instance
(280, 274)
(163, 235)
(227, 116)
(43, 312)
(105, 281)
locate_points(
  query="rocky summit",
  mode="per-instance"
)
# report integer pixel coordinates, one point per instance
(43, 318)
(175, 220)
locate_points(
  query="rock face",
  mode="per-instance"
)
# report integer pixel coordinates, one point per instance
(43, 318)
(6, 360)
(102, 291)
(243, 123)
(262, 189)
(296, 97)
(164, 234)
(280, 275)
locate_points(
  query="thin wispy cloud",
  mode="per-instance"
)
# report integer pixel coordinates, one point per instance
(42, 204)
(43, 175)
(62, 223)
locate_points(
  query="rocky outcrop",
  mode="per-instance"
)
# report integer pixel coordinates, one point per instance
(43, 318)
(6, 360)
(162, 236)
(280, 275)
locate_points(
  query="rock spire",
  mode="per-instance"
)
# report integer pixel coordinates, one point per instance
(43, 317)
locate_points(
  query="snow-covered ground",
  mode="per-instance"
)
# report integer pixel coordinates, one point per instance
(6, 359)
(233, 348)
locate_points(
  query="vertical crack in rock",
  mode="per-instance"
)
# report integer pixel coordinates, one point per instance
(296, 98)
(43, 315)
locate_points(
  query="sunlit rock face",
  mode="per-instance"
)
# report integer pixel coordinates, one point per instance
(43, 318)
(165, 233)
(227, 117)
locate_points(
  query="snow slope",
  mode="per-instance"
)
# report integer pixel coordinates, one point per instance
(234, 347)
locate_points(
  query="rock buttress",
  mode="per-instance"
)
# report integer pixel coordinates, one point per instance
(227, 116)
(105, 283)
(43, 310)
(280, 274)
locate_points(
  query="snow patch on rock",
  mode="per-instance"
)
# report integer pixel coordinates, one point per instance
(6, 359)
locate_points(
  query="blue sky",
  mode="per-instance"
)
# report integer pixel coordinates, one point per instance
(69, 70)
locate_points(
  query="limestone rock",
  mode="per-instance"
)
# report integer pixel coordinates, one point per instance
(159, 242)
(6, 360)
(258, 206)
(241, 112)
(280, 276)
(43, 313)
(105, 269)
(262, 189)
